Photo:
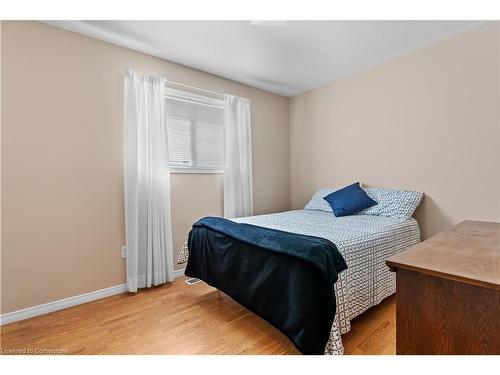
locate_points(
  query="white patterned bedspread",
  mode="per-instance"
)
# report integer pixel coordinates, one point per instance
(365, 241)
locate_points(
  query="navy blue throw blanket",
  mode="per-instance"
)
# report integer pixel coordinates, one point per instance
(285, 278)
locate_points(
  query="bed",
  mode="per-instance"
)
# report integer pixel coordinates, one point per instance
(365, 242)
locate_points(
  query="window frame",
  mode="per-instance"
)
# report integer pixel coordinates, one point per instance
(190, 97)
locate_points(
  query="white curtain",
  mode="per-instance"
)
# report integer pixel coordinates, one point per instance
(238, 194)
(147, 183)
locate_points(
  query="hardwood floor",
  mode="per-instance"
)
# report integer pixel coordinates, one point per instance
(178, 319)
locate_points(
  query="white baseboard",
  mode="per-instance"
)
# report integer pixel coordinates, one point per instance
(46, 308)
(61, 304)
(179, 273)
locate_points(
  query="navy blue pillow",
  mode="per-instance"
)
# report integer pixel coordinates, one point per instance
(349, 200)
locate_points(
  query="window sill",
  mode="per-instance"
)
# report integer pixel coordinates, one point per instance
(195, 171)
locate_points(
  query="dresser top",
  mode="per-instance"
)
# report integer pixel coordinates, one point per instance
(468, 252)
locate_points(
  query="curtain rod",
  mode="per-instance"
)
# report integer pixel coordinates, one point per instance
(196, 88)
(193, 101)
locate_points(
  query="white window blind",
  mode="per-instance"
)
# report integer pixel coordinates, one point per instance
(195, 131)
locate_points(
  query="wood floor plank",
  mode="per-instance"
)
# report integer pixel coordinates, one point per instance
(178, 319)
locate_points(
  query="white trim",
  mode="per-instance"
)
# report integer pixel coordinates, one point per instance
(175, 83)
(61, 304)
(194, 98)
(179, 273)
(173, 170)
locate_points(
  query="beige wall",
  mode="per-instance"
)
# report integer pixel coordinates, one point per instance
(62, 193)
(427, 120)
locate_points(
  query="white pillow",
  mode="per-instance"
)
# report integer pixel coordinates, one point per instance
(318, 203)
(393, 203)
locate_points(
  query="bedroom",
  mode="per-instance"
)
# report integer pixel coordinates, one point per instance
(345, 153)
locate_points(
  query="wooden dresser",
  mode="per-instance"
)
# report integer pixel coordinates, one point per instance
(448, 292)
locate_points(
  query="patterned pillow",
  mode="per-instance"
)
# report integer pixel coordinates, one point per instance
(317, 202)
(393, 203)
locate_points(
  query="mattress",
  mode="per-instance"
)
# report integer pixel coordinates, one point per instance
(365, 241)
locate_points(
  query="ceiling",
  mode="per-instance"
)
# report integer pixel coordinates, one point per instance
(286, 58)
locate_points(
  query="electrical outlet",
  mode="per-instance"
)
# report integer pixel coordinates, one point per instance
(124, 251)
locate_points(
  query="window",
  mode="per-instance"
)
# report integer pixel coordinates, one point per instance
(195, 132)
